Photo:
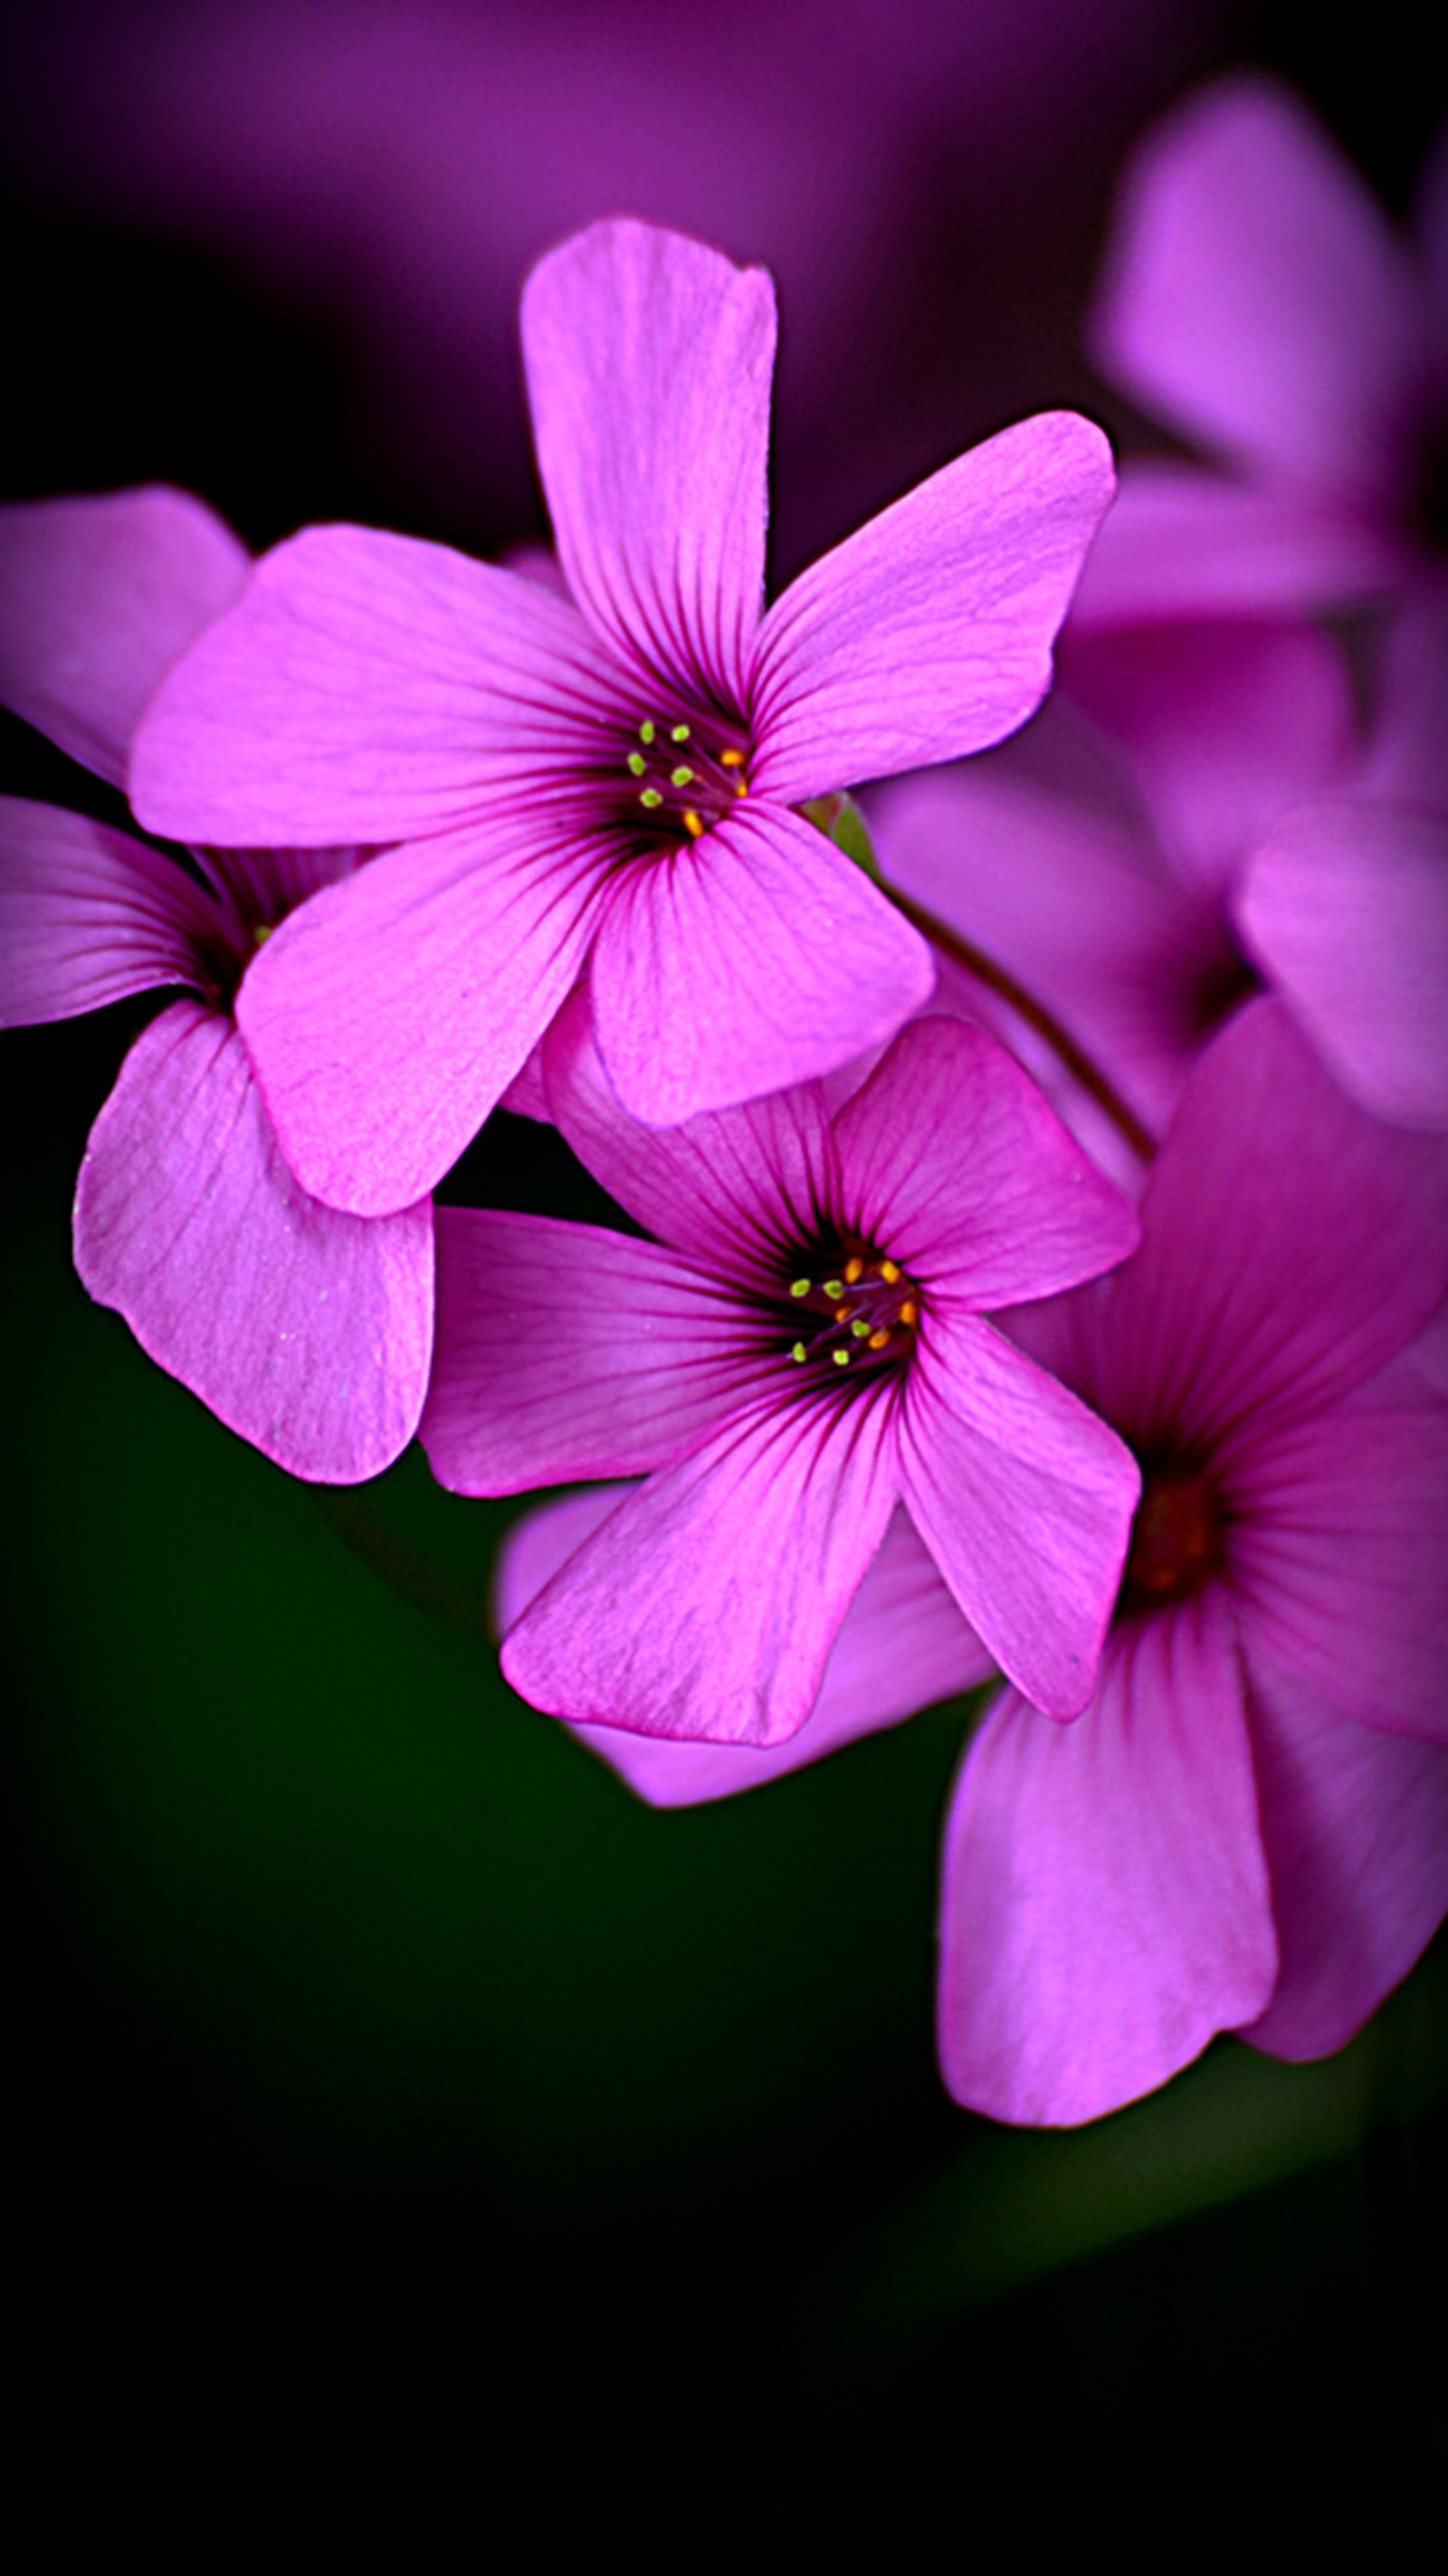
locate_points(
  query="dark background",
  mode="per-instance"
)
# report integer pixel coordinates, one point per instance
(395, 2101)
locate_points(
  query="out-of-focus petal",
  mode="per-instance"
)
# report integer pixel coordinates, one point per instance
(370, 688)
(1356, 1830)
(97, 597)
(88, 915)
(1105, 1907)
(1346, 910)
(649, 360)
(951, 1160)
(755, 957)
(388, 1015)
(1258, 299)
(1024, 1500)
(903, 1645)
(707, 1603)
(307, 1331)
(928, 633)
(1183, 542)
(564, 1350)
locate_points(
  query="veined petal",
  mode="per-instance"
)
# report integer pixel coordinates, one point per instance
(928, 633)
(306, 1331)
(388, 1015)
(903, 1644)
(649, 360)
(88, 915)
(755, 957)
(707, 1604)
(1024, 1500)
(371, 688)
(564, 1350)
(99, 596)
(1183, 542)
(1356, 1830)
(1346, 909)
(1105, 1905)
(950, 1156)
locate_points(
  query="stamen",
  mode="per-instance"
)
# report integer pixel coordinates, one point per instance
(799, 1354)
(681, 777)
(647, 731)
(859, 1327)
(841, 1358)
(854, 1269)
(263, 932)
(799, 1287)
(651, 796)
(692, 824)
(834, 1288)
(731, 759)
(679, 733)
(878, 1339)
(637, 763)
(889, 1272)
(909, 1312)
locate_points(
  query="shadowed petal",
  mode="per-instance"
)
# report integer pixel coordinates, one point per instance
(97, 598)
(1024, 1500)
(903, 1645)
(564, 1350)
(1356, 1830)
(306, 1331)
(756, 957)
(707, 1603)
(88, 915)
(388, 1015)
(1105, 1906)
(649, 360)
(928, 634)
(369, 688)
(1182, 542)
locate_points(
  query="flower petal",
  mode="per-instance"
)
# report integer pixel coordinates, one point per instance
(1356, 1830)
(1024, 1500)
(928, 633)
(306, 1331)
(1105, 1906)
(649, 360)
(88, 915)
(755, 957)
(951, 1159)
(371, 688)
(1346, 909)
(564, 1350)
(1183, 542)
(903, 1645)
(388, 1015)
(1257, 297)
(100, 595)
(707, 1604)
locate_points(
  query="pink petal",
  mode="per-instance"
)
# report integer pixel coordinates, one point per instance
(88, 915)
(1024, 1500)
(1105, 1906)
(1184, 543)
(371, 688)
(753, 958)
(387, 1016)
(1356, 1830)
(100, 595)
(649, 360)
(929, 632)
(563, 1350)
(306, 1331)
(952, 1161)
(707, 1604)
(1346, 910)
(903, 1645)
(1257, 298)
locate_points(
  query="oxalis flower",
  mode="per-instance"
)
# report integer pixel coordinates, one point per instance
(307, 1330)
(612, 777)
(801, 1348)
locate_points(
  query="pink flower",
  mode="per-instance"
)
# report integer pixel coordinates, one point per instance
(800, 1348)
(1258, 301)
(306, 1330)
(615, 782)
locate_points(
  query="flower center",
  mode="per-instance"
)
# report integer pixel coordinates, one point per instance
(858, 1312)
(684, 779)
(1176, 1539)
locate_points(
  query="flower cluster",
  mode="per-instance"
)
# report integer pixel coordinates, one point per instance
(1032, 1181)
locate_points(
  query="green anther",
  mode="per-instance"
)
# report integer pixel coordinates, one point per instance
(799, 1287)
(859, 1328)
(680, 777)
(834, 1287)
(841, 1358)
(651, 797)
(799, 1353)
(647, 731)
(637, 763)
(679, 733)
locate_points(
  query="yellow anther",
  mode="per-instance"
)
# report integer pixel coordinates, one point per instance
(262, 933)
(731, 759)
(679, 733)
(693, 825)
(859, 1327)
(889, 1272)
(909, 1312)
(834, 1287)
(879, 1338)
(854, 1269)
(799, 1287)
(680, 777)
(799, 1354)
(647, 731)
(651, 796)
(637, 763)
(841, 1358)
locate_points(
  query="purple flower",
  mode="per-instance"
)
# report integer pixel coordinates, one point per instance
(1259, 302)
(306, 1330)
(799, 1349)
(616, 782)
